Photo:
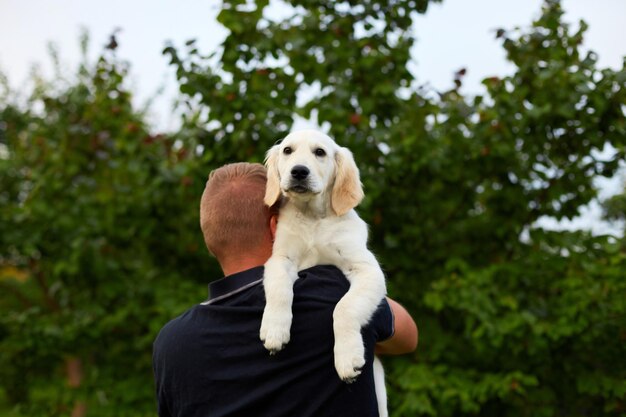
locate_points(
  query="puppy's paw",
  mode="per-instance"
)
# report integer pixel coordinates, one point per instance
(349, 357)
(275, 330)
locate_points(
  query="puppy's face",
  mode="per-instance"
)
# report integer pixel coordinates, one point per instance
(305, 162)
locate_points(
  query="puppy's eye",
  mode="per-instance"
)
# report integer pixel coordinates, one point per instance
(287, 150)
(320, 152)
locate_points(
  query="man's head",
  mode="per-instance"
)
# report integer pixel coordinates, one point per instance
(234, 219)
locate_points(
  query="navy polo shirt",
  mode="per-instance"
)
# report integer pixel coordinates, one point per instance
(210, 362)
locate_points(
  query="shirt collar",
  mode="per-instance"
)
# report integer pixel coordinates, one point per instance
(234, 283)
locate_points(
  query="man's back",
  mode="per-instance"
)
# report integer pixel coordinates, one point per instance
(210, 361)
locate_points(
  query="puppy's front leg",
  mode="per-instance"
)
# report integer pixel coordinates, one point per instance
(355, 310)
(280, 274)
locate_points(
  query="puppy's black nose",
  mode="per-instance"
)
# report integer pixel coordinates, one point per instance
(299, 172)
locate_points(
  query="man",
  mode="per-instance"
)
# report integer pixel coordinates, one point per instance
(210, 360)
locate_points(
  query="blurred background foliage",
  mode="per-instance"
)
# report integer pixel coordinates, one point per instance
(100, 244)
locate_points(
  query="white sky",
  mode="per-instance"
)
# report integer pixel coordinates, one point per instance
(452, 35)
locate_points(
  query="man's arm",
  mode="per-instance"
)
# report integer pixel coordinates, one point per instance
(404, 339)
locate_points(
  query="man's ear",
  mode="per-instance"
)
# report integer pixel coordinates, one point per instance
(273, 225)
(347, 191)
(272, 189)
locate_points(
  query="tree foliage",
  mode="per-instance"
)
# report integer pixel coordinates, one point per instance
(98, 228)
(100, 244)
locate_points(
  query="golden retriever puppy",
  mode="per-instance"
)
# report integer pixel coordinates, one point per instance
(320, 186)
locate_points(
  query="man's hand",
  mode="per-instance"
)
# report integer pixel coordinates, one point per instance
(404, 339)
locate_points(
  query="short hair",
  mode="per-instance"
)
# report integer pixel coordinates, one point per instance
(233, 216)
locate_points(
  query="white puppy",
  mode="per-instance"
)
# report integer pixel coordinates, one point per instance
(320, 183)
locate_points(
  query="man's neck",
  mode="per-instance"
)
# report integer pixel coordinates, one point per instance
(242, 263)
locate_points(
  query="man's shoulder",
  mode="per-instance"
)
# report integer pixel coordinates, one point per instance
(176, 328)
(323, 272)
(321, 280)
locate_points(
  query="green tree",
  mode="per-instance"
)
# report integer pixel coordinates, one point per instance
(615, 207)
(99, 245)
(515, 320)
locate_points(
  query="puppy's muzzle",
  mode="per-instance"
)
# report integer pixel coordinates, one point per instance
(299, 172)
(299, 179)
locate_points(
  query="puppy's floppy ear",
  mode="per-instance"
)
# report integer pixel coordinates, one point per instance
(272, 189)
(347, 191)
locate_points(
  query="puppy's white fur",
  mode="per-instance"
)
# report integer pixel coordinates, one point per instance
(318, 225)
